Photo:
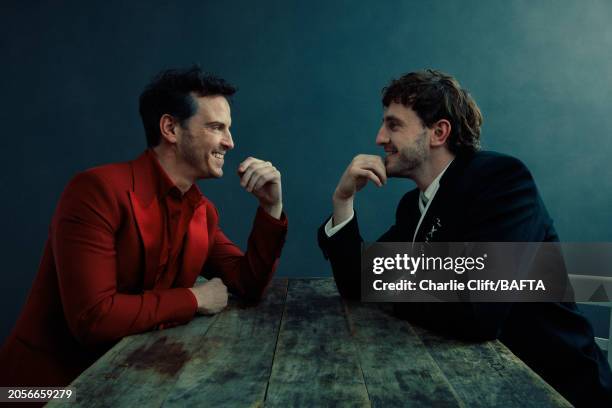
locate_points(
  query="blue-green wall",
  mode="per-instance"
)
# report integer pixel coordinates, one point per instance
(310, 75)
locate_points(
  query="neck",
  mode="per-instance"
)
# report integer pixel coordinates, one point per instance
(174, 168)
(431, 168)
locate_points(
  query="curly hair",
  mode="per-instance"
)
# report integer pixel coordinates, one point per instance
(170, 92)
(434, 95)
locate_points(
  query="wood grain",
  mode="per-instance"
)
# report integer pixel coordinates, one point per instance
(315, 362)
(396, 365)
(233, 363)
(140, 369)
(488, 374)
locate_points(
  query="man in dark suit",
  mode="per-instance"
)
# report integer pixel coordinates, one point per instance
(430, 134)
(128, 240)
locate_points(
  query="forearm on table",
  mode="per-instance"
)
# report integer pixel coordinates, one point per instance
(248, 274)
(343, 250)
(116, 316)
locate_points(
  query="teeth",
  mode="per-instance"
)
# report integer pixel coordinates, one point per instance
(218, 155)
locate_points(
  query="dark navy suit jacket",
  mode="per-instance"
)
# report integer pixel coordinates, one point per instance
(489, 197)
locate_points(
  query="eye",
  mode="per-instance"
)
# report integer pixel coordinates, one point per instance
(392, 126)
(216, 126)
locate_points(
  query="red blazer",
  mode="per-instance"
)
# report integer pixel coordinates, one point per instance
(95, 283)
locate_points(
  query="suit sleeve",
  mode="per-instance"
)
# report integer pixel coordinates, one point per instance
(343, 250)
(248, 274)
(82, 236)
(506, 209)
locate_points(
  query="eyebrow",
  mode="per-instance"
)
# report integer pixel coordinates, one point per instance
(392, 118)
(214, 123)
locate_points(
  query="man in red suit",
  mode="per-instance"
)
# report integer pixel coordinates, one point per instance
(128, 240)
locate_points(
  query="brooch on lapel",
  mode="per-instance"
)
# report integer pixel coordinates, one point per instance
(434, 227)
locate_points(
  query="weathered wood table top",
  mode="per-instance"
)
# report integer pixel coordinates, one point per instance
(303, 346)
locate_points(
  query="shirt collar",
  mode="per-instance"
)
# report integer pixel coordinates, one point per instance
(430, 191)
(165, 184)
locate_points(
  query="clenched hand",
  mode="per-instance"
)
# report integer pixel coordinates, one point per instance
(263, 180)
(362, 168)
(211, 296)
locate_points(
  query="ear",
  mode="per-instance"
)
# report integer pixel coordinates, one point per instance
(441, 132)
(168, 128)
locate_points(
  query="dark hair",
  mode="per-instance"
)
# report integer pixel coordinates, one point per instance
(170, 93)
(434, 95)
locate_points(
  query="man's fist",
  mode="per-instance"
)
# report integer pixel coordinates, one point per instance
(263, 180)
(211, 296)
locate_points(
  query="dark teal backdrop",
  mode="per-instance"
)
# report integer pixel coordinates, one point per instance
(310, 75)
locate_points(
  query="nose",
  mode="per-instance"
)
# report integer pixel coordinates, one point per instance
(227, 141)
(381, 137)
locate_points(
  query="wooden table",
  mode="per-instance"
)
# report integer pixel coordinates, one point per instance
(303, 346)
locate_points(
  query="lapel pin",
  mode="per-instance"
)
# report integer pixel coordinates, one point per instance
(435, 227)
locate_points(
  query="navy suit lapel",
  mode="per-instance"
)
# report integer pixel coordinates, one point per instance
(437, 225)
(407, 218)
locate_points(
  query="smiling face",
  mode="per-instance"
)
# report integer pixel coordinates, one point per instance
(405, 140)
(205, 137)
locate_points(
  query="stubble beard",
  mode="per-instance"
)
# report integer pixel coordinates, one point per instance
(411, 157)
(193, 157)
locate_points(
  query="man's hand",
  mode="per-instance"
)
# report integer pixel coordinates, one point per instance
(363, 167)
(211, 296)
(263, 180)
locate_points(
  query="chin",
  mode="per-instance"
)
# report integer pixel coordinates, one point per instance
(391, 172)
(212, 170)
(215, 174)
(218, 172)
(210, 173)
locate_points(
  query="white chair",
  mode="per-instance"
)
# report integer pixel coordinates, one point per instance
(585, 286)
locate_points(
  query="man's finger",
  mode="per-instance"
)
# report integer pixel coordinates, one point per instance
(250, 170)
(258, 174)
(253, 170)
(252, 181)
(379, 169)
(372, 163)
(246, 167)
(242, 167)
(263, 180)
(216, 282)
(369, 174)
(245, 164)
(266, 176)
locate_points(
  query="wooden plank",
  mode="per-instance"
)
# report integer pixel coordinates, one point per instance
(141, 369)
(488, 374)
(526, 381)
(315, 362)
(398, 369)
(232, 365)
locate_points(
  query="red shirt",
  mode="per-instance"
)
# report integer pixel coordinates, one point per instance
(177, 211)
